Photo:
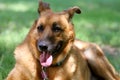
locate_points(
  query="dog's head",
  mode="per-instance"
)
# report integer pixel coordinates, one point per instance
(52, 34)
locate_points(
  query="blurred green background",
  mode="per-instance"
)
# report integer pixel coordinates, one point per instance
(98, 23)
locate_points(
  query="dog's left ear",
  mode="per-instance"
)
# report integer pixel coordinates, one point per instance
(43, 7)
(70, 12)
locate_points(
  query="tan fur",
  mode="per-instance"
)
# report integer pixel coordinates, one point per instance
(83, 61)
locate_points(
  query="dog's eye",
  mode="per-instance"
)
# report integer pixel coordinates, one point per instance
(40, 28)
(56, 28)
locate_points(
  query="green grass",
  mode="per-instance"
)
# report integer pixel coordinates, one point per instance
(99, 23)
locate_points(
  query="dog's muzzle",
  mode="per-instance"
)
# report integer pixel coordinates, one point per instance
(45, 46)
(48, 51)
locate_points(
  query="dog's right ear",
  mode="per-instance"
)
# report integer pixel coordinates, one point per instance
(43, 7)
(70, 12)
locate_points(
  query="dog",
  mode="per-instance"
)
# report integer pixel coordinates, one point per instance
(51, 52)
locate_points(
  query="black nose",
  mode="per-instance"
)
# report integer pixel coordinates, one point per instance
(43, 47)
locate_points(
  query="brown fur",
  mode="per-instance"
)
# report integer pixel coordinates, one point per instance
(83, 61)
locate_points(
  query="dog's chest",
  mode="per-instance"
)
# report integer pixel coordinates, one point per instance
(63, 72)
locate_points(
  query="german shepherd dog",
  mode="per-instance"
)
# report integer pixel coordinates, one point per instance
(51, 52)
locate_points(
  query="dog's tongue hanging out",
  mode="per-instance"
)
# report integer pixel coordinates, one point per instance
(46, 59)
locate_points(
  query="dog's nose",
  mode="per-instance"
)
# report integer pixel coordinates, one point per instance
(43, 47)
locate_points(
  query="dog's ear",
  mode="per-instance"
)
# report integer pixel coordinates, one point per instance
(43, 7)
(70, 12)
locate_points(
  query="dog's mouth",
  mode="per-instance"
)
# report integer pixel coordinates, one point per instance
(46, 57)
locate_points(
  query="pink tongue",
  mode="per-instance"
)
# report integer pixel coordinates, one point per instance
(46, 59)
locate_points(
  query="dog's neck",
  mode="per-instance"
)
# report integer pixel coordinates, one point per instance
(60, 62)
(43, 72)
